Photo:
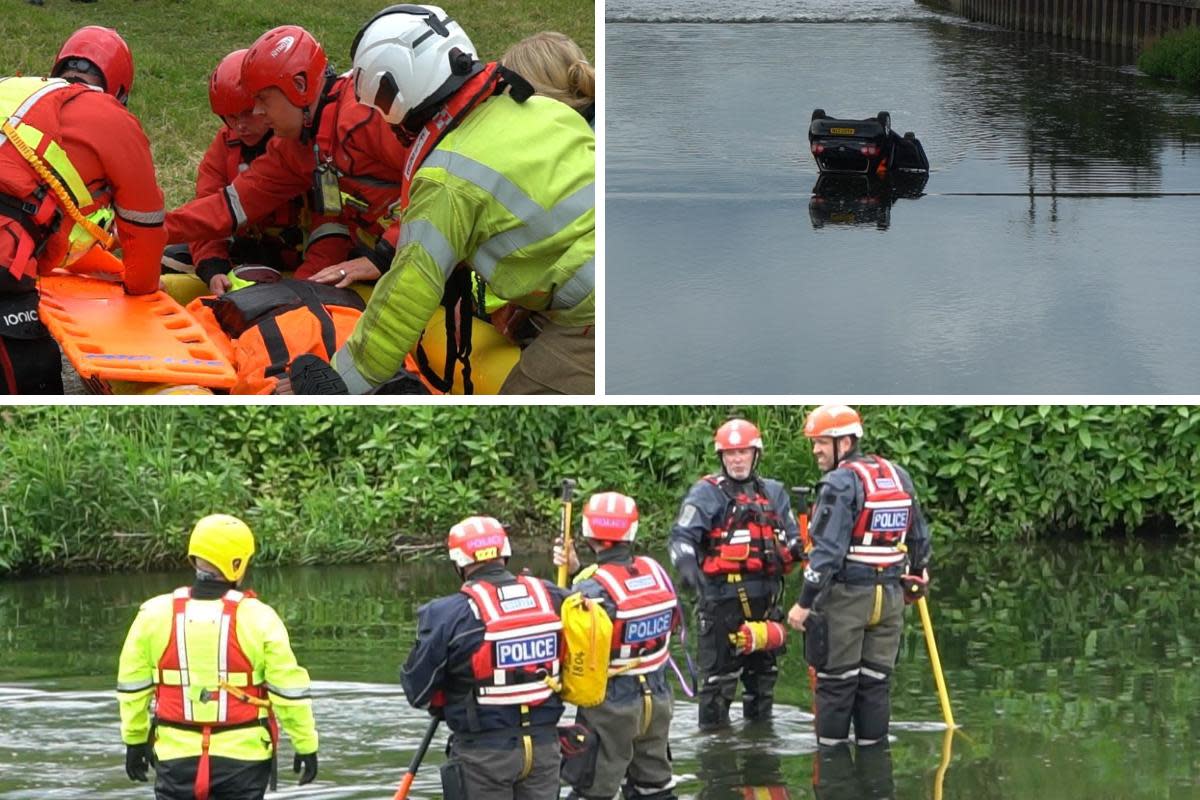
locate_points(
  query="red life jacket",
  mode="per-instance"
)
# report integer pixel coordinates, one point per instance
(751, 540)
(647, 611)
(478, 88)
(522, 642)
(172, 703)
(880, 530)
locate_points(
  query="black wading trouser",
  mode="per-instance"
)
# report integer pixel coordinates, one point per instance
(720, 665)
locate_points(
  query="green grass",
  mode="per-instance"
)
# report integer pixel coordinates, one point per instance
(176, 44)
(1175, 56)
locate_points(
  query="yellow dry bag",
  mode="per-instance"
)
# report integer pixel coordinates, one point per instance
(588, 632)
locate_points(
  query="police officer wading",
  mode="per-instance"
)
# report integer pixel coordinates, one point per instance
(219, 667)
(732, 543)
(870, 552)
(485, 658)
(634, 721)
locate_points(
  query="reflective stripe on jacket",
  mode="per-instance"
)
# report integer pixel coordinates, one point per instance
(647, 611)
(881, 528)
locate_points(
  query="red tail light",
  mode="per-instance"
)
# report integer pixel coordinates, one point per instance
(818, 148)
(870, 151)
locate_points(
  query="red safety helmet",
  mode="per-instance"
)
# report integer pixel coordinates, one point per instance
(226, 95)
(833, 421)
(107, 51)
(735, 434)
(278, 57)
(477, 539)
(610, 517)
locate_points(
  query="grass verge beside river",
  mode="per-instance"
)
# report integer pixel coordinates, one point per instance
(176, 44)
(1176, 56)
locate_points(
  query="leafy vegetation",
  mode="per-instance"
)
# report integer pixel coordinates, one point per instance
(1175, 56)
(118, 487)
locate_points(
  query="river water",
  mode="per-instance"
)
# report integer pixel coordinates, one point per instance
(1053, 248)
(1072, 670)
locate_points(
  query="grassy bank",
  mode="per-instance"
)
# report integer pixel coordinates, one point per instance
(176, 44)
(1176, 56)
(118, 487)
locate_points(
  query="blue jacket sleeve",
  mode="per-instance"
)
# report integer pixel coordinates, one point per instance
(830, 526)
(445, 634)
(700, 512)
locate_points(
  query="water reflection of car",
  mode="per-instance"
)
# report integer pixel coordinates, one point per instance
(841, 199)
(864, 146)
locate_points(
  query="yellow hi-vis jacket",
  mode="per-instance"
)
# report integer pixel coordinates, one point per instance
(264, 640)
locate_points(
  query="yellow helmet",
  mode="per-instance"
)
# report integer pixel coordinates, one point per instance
(225, 542)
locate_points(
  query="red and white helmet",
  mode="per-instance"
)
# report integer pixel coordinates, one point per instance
(610, 517)
(107, 51)
(736, 434)
(833, 421)
(278, 56)
(477, 539)
(226, 95)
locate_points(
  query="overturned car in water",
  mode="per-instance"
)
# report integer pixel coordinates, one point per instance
(864, 146)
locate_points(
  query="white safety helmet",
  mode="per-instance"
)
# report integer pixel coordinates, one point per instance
(409, 55)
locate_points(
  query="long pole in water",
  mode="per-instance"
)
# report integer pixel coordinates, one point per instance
(415, 764)
(935, 662)
(568, 493)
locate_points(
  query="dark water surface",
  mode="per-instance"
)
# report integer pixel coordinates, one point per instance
(1054, 250)
(1072, 669)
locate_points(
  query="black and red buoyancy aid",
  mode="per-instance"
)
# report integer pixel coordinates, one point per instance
(880, 530)
(175, 704)
(751, 540)
(522, 642)
(647, 612)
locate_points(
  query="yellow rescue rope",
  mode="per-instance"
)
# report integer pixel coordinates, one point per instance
(64, 197)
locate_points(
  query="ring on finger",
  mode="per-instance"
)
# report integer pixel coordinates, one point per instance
(342, 272)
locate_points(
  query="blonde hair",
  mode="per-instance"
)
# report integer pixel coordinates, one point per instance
(556, 67)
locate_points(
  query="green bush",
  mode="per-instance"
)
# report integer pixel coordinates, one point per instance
(118, 487)
(1175, 56)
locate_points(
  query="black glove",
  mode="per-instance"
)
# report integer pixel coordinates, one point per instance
(915, 587)
(796, 550)
(689, 574)
(137, 761)
(309, 762)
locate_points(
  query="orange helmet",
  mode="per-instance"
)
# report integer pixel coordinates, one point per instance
(610, 517)
(278, 56)
(226, 95)
(104, 49)
(833, 421)
(735, 434)
(477, 539)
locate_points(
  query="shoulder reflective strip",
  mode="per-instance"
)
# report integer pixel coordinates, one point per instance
(328, 229)
(343, 362)
(543, 224)
(485, 602)
(141, 217)
(577, 287)
(235, 205)
(51, 86)
(290, 694)
(611, 585)
(505, 192)
(539, 589)
(427, 235)
(888, 503)
(665, 605)
(181, 647)
(134, 687)
(545, 627)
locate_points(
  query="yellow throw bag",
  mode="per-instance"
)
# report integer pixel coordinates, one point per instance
(588, 632)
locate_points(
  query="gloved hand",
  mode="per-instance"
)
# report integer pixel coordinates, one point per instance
(137, 761)
(915, 586)
(570, 558)
(309, 763)
(796, 550)
(690, 575)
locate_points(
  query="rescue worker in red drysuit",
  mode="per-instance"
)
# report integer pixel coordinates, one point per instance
(326, 144)
(734, 539)
(501, 712)
(281, 240)
(76, 130)
(634, 721)
(870, 553)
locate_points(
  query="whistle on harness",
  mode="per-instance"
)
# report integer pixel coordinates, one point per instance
(326, 191)
(761, 635)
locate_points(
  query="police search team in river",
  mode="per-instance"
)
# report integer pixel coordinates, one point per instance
(497, 659)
